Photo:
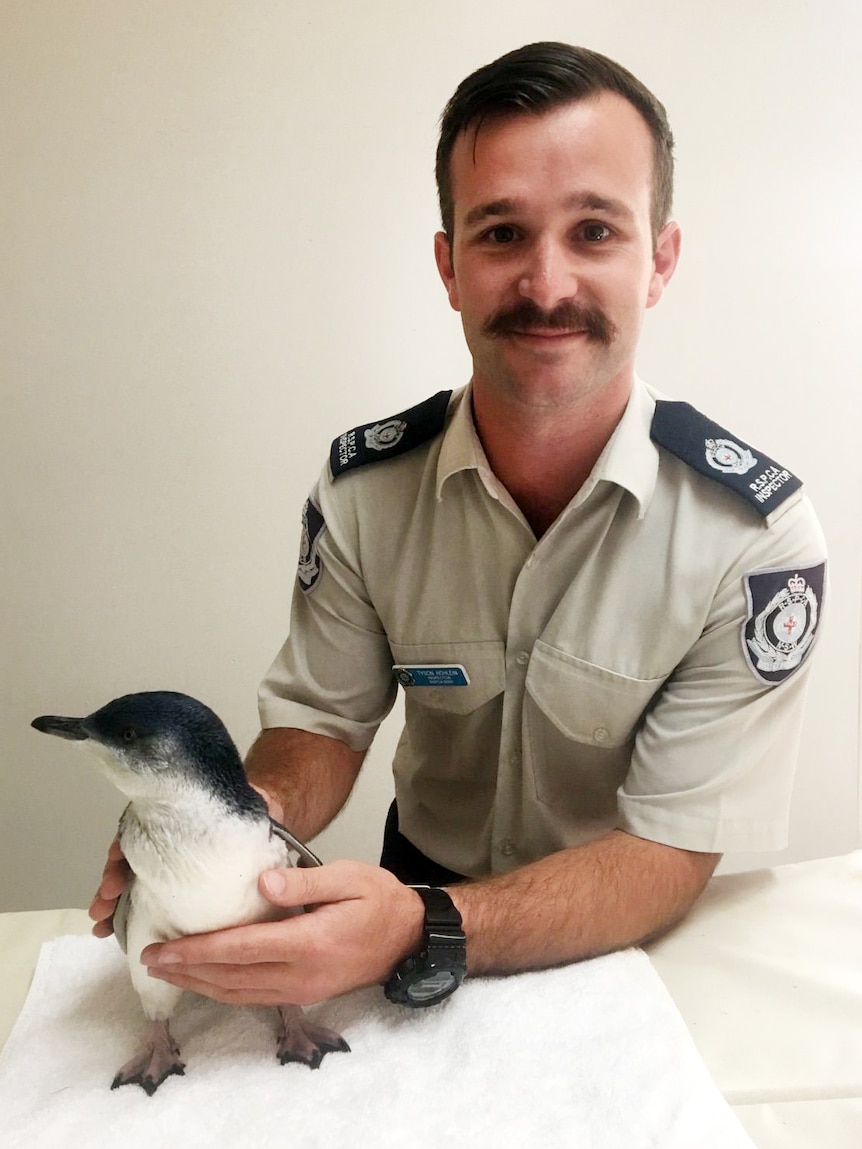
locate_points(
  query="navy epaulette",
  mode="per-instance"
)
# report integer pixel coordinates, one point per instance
(391, 437)
(711, 451)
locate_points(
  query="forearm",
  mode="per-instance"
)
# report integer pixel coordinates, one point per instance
(616, 891)
(572, 905)
(311, 775)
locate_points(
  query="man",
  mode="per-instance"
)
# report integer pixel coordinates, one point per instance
(599, 604)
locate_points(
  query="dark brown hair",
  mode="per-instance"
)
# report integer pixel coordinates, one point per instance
(536, 78)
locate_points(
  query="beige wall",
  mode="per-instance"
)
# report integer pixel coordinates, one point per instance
(217, 255)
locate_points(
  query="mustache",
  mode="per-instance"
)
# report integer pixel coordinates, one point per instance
(525, 316)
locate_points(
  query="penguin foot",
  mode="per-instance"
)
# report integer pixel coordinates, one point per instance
(302, 1040)
(157, 1058)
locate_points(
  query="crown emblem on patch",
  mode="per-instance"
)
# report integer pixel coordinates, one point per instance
(783, 620)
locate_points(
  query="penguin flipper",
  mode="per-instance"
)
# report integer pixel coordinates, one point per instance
(120, 920)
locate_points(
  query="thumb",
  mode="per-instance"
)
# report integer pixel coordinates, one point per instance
(275, 808)
(289, 886)
(314, 885)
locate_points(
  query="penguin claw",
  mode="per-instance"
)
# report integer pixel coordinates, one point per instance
(303, 1041)
(157, 1058)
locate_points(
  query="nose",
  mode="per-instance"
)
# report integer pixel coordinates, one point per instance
(549, 276)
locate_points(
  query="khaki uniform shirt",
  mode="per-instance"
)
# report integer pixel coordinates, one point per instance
(609, 682)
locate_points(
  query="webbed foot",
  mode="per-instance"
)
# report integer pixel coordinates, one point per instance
(302, 1040)
(157, 1058)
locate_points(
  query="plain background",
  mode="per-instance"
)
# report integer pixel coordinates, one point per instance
(217, 255)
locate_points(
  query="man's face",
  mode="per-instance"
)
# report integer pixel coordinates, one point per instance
(552, 262)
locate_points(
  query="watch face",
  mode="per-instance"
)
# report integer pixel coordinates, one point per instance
(433, 987)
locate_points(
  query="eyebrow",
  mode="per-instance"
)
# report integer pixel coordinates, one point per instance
(484, 211)
(593, 202)
(584, 201)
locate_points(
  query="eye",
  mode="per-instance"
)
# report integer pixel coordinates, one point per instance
(129, 734)
(595, 232)
(501, 234)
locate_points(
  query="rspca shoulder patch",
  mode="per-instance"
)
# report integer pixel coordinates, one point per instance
(313, 526)
(715, 453)
(784, 609)
(389, 437)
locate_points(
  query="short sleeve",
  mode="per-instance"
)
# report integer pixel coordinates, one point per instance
(713, 763)
(333, 675)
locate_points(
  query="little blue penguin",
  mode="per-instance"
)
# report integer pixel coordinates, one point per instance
(196, 836)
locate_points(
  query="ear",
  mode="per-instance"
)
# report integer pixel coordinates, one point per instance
(665, 260)
(443, 255)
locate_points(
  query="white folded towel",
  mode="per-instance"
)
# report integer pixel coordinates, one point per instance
(593, 1056)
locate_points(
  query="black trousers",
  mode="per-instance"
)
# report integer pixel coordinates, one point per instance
(410, 865)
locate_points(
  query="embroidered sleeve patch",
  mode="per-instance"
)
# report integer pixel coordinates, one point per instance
(714, 453)
(389, 437)
(783, 615)
(313, 526)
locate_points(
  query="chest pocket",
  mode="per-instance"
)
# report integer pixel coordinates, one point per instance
(483, 662)
(586, 703)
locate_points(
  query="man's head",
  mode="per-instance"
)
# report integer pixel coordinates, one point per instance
(555, 190)
(536, 79)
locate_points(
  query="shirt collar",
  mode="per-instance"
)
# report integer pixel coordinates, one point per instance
(629, 459)
(461, 449)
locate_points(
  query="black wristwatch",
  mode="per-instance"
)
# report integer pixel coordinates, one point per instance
(440, 966)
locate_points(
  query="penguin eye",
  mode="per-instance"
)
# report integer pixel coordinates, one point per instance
(129, 734)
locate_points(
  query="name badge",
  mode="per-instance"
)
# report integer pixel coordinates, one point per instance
(431, 674)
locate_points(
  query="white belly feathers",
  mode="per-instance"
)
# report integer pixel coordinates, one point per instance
(197, 868)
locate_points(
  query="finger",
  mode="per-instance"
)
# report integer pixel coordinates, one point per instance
(115, 875)
(115, 853)
(102, 908)
(265, 794)
(102, 929)
(242, 945)
(259, 985)
(275, 808)
(113, 883)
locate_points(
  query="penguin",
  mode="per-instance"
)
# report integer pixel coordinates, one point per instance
(197, 836)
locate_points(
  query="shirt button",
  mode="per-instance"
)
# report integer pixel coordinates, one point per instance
(600, 734)
(507, 847)
(515, 757)
(523, 657)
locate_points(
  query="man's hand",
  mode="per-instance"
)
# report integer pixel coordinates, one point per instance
(364, 922)
(115, 878)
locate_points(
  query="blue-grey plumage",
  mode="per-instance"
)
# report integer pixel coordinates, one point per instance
(196, 836)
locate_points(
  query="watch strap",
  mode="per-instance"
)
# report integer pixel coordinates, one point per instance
(443, 924)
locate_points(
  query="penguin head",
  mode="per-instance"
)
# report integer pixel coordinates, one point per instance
(153, 743)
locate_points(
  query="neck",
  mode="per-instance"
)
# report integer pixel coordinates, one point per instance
(544, 455)
(181, 805)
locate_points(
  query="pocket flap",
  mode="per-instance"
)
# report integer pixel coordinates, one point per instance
(585, 702)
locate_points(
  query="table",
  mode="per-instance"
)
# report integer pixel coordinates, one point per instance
(766, 971)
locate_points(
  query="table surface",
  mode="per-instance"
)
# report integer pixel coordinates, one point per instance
(766, 970)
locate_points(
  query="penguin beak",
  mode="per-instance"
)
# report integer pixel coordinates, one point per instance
(71, 728)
